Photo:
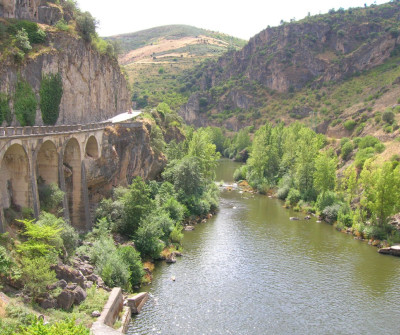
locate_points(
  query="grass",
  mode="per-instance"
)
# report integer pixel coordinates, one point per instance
(17, 313)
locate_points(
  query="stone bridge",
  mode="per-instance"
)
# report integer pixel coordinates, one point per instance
(51, 154)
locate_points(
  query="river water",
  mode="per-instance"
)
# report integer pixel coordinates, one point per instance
(250, 270)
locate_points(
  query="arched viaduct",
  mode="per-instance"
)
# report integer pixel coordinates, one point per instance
(52, 154)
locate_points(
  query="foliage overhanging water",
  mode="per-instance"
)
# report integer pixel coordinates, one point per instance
(250, 270)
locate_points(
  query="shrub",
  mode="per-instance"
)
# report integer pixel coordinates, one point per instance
(379, 147)
(51, 92)
(240, 173)
(349, 125)
(325, 199)
(345, 217)
(86, 25)
(6, 262)
(388, 116)
(131, 257)
(25, 103)
(43, 237)
(70, 238)
(137, 203)
(62, 25)
(362, 155)
(176, 235)
(147, 239)
(5, 110)
(175, 209)
(65, 327)
(36, 275)
(50, 197)
(368, 142)
(346, 150)
(293, 196)
(115, 271)
(22, 40)
(330, 213)
(283, 192)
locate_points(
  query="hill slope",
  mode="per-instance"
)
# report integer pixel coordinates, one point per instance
(324, 69)
(155, 57)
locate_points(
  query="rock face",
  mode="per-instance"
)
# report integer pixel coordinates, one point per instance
(126, 153)
(33, 10)
(313, 51)
(94, 88)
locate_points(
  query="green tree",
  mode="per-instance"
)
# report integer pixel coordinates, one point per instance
(51, 92)
(86, 25)
(22, 40)
(137, 203)
(325, 171)
(381, 190)
(25, 103)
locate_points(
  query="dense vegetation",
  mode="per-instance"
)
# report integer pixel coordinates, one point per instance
(310, 174)
(50, 97)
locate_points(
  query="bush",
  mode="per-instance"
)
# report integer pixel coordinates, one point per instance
(283, 192)
(115, 271)
(147, 239)
(325, 199)
(36, 275)
(349, 125)
(330, 213)
(347, 149)
(50, 197)
(51, 92)
(388, 116)
(176, 235)
(240, 173)
(86, 25)
(362, 155)
(368, 142)
(132, 259)
(25, 103)
(345, 217)
(175, 209)
(65, 327)
(6, 262)
(22, 40)
(293, 196)
(62, 25)
(5, 110)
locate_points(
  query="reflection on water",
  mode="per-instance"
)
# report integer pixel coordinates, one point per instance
(250, 270)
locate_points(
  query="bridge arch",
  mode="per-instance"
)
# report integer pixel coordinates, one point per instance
(92, 147)
(14, 176)
(72, 170)
(47, 162)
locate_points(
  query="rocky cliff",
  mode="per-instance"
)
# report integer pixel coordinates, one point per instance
(94, 88)
(126, 153)
(308, 53)
(34, 10)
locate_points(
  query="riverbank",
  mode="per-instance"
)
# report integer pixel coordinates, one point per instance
(250, 269)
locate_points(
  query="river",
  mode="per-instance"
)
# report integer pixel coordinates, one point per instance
(250, 270)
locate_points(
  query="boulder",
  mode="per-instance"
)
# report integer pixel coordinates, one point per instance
(47, 303)
(170, 258)
(61, 283)
(188, 228)
(66, 299)
(69, 274)
(294, 218)
(71, 286)
(95, 314)
(79, 294)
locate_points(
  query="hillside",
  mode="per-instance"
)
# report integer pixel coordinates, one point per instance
(155, 57)
(54, 68)
(324, 69)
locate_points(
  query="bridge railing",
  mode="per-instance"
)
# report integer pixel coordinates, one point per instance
(43, 130)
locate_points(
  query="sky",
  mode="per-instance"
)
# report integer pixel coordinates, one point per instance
(244, 18)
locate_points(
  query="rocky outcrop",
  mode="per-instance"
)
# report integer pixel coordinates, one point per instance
(287, 58)
(126, 153)
(94, 88)
(34, 10)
